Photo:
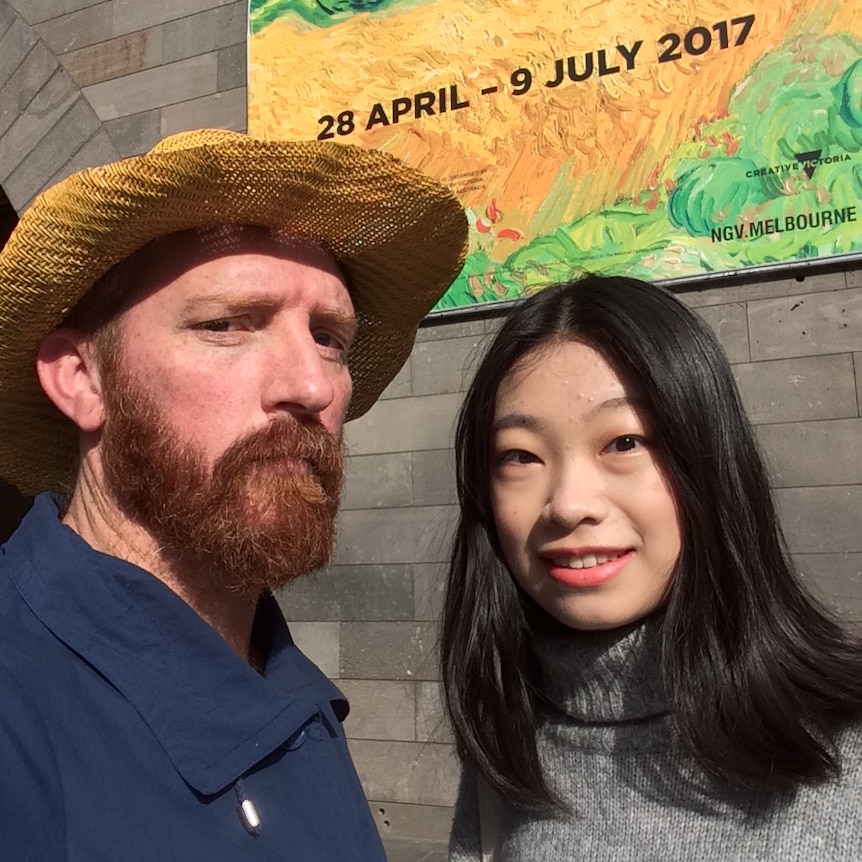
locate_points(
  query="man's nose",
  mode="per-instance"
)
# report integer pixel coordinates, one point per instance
(577, 494)
(301, 379)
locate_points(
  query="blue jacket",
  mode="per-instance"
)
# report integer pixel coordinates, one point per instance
(130, 731)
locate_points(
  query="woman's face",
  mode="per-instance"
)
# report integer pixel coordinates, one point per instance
(585, 518)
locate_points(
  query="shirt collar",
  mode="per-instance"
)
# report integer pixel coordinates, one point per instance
(213, 714)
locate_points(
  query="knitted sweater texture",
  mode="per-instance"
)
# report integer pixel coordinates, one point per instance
(608, 748)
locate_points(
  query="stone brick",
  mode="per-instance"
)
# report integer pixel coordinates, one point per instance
(766, 289)
(380, 709)
(434, 477)
(233, 67)
(435, 328)
(802, 454)
(730, 324)
(419, 772)
(154, 88)
(822, 520)
(853, 277)
(78, 29)
(857, 369)
(36, 122)
(320, 642)
(219, 110)
(422, 822)
(53, 151)
(837, 579)
(20, 90)
(415, 850)
(136, 133)
(445, 365)
(429, 586)
(116, 57)
(420, 534)
(806, 325)
(790, 390)
(389, 650)
(97, 151)
(377, 481)
(8, 15)
(404, 425)
(400, 386)
(131, 15)
(15, 44)
(350, 593)
(432, 721)
(207, 31)
(36, 11)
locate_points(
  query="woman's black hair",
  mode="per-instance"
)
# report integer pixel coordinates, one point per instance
(759, 678)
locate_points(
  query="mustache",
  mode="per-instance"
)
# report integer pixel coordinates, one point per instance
(306, 441)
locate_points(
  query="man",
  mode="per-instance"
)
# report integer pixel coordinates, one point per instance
(182, 335)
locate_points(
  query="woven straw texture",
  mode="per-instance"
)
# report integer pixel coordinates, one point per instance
(399, 235)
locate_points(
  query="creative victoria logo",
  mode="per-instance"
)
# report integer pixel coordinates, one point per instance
(806, 163)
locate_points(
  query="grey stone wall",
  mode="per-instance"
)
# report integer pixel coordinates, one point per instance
(86, 81)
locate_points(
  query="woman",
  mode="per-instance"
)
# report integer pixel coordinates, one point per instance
(632, 669)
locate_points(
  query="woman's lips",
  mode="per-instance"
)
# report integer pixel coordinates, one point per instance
(588, 569)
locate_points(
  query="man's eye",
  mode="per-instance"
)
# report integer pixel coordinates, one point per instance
(222, 325)
(626, 443)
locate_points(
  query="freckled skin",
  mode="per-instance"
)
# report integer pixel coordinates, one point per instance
(573, 470)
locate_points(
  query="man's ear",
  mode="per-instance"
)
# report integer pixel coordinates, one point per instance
(69, 374)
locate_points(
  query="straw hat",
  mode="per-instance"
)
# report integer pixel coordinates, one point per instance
(399, 235)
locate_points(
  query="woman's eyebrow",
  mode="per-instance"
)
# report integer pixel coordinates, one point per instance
(613, 404)
(519, 420)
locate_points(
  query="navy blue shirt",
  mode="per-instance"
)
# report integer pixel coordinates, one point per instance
(130, 731)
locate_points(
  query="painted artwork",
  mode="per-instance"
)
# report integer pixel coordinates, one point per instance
(665, 139)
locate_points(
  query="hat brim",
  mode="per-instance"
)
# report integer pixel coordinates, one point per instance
(399, 235)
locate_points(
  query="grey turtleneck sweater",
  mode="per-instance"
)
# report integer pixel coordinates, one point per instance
(608, 748)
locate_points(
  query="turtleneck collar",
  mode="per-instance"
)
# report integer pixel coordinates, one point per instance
(603, 677)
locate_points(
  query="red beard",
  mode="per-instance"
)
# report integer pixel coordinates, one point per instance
(262, 516)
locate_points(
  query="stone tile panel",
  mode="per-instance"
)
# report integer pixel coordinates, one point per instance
(804, 454)
(131, 15)
(822, 520)
(420, 534)
(35, 124)
(350, 593)
(97, 151)
(429, 585)
(790, 390)
(378, 481)
(446, 365)
(219, 110)
(419, 822)
(423, 773)
(766, 289)
(432, 722)
(24, 85)
(401, 385)
(806, 325)
(857, 369)
(434, 477)
(37, 11)
(136, 133)
(321, 643)
(404, 425)
(232, 67)
(80, 28)
(15, 44)
(837, 580)
(116, 57)
(389, 650)
(437, 328)
(53, 151)
(380, 709)
(209, 30)
(730, 324)
(154, 88)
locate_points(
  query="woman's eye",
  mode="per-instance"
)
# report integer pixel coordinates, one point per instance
(518, 456)
(626, 443)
